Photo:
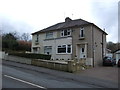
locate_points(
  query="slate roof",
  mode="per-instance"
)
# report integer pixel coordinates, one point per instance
(67, 24)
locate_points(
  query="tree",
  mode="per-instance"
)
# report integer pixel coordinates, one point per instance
(9, 41)
(24, 46)
(25, 36)
(12, 41)
(113, 46)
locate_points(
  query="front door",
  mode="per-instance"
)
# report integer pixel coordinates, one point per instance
(82, 53)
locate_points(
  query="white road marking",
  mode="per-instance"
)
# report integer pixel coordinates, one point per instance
(24, 81)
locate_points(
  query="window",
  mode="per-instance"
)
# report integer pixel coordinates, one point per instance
(82, 50)
(49, 35)
(66, 32)
(69, 32)
(81, 32)
(48, 50)
(69, 49)
(65, 49)
(37, 37)
(35, 50)
(62, 49)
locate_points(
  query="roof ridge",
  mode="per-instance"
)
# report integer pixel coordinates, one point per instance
(65, 24)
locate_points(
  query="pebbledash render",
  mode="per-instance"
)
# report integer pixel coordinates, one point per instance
(70, 40)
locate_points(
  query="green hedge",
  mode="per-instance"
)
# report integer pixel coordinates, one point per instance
(32, 55)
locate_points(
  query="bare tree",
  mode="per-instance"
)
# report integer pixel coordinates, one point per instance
(25, 36)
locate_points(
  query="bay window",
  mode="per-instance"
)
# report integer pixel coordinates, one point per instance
(64, 49)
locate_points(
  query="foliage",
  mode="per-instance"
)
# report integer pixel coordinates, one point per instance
(24, 45)
(25, 37)
(12, 41)
(9, 41)
(113, 46)
(32, 55)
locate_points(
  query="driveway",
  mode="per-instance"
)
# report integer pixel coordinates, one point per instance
(102, 72)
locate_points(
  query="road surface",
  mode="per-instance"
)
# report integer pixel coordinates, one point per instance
(15, 77)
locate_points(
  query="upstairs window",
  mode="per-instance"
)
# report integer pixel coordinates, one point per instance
(37, 37)
(66, 32)
(49, 35)
(82, 32)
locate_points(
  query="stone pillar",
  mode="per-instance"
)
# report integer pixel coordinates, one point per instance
(71, 66)
(85, 50)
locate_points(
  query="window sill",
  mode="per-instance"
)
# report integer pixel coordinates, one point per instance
(63, 53)
(49, 39)
(65, 36)
(36, 43)
(81, 38)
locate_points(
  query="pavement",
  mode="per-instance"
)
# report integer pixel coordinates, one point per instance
(94, 76)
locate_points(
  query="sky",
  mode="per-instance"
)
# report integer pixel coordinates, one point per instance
(28, 16)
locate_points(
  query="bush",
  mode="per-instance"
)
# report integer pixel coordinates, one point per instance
(32, 55)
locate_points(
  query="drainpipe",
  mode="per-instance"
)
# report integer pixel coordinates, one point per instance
(102, 46)
(93, 45)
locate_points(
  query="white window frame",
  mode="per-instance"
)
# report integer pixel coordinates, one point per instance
(62, 32)
(37, 38)
(82, 32)
(69, 30)
(66, 52)
(49, 47)
(49, 35)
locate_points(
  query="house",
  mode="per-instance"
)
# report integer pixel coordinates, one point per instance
(116, 55)
(71, 39)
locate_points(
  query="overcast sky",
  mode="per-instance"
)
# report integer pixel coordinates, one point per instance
(32, 15)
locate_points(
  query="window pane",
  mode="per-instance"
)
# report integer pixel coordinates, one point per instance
(81, 33)
(49, 35)
(48, 49)
(61, 50)
(83, 50)
(37, 36)
(64, 46)
(69, 49)
(62, 33)
(65, 32)
(68, 32)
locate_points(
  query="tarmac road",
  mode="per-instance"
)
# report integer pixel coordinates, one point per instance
(48, 78)
(14, 77)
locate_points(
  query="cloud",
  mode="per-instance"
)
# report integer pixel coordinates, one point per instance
(33, 15)
(105, 15)
(8, 25)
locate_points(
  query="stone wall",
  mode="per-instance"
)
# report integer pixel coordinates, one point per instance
(68, 66)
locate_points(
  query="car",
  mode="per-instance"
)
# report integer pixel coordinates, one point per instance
(114, 61)
(118, 64)
(108, 61)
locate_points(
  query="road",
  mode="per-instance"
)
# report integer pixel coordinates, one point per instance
(15, 77)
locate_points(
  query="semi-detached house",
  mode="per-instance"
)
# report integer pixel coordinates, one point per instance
(71, 39)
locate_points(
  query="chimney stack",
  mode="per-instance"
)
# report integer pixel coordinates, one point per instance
(67, 19)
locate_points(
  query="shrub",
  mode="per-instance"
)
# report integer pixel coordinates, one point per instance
(32, 55)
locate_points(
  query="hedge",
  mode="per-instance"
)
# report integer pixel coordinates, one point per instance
(32, 55)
